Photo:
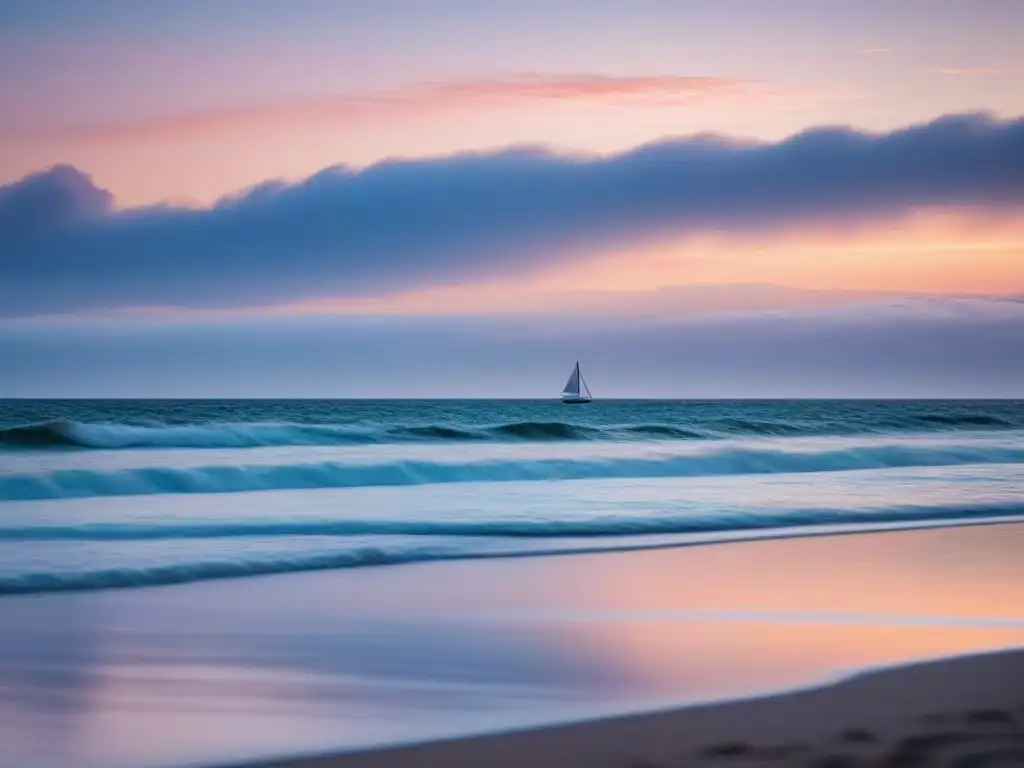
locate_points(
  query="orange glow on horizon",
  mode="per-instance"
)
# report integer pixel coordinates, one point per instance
(932, 252)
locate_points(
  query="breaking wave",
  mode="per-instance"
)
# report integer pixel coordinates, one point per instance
(392, 552)
(732, 460)
(528, 528)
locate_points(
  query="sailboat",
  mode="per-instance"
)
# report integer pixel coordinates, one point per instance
(576, 391)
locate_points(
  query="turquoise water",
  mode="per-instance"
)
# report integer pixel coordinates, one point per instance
(243, 423)
(100, 494)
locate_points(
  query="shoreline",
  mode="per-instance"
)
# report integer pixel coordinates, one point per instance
(656, 543)
(970, 707)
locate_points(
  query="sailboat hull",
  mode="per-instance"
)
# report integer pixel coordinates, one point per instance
(576, 400)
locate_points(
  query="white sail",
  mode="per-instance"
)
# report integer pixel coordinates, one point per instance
(572, 386)
(584, 389)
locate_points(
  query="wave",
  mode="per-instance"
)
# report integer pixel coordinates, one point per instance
(548, 430)
(79, 483)
(792, 523)
(29, 583)
(536, 528)
(73, 434)
(666, 431)
(112, 436)
(963, 420)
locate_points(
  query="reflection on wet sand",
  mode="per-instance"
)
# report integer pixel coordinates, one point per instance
(217, 671)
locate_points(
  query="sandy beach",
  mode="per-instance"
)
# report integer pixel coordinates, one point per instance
(345, 663)
(965, 711)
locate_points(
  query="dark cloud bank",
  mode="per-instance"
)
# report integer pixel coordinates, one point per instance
(410, 223)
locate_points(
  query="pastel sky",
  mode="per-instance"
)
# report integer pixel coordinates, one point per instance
(229, 164)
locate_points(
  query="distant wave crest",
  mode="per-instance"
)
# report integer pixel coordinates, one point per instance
(963, 420)
(112, 436)
(72, 434)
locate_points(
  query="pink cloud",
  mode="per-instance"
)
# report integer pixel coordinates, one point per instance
(966, 71)
(517, 89)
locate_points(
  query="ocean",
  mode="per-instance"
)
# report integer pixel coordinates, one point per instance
(126, 493)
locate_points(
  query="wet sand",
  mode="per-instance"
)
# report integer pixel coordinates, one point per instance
(242, 670)
(965, 712)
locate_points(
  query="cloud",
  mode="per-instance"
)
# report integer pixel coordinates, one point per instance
(896, 348)
(394, 103)
(870, 51)
(966, 71)
(405, 224)
(45, 202)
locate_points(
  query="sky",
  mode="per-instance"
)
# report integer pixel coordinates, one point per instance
(382, 193)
